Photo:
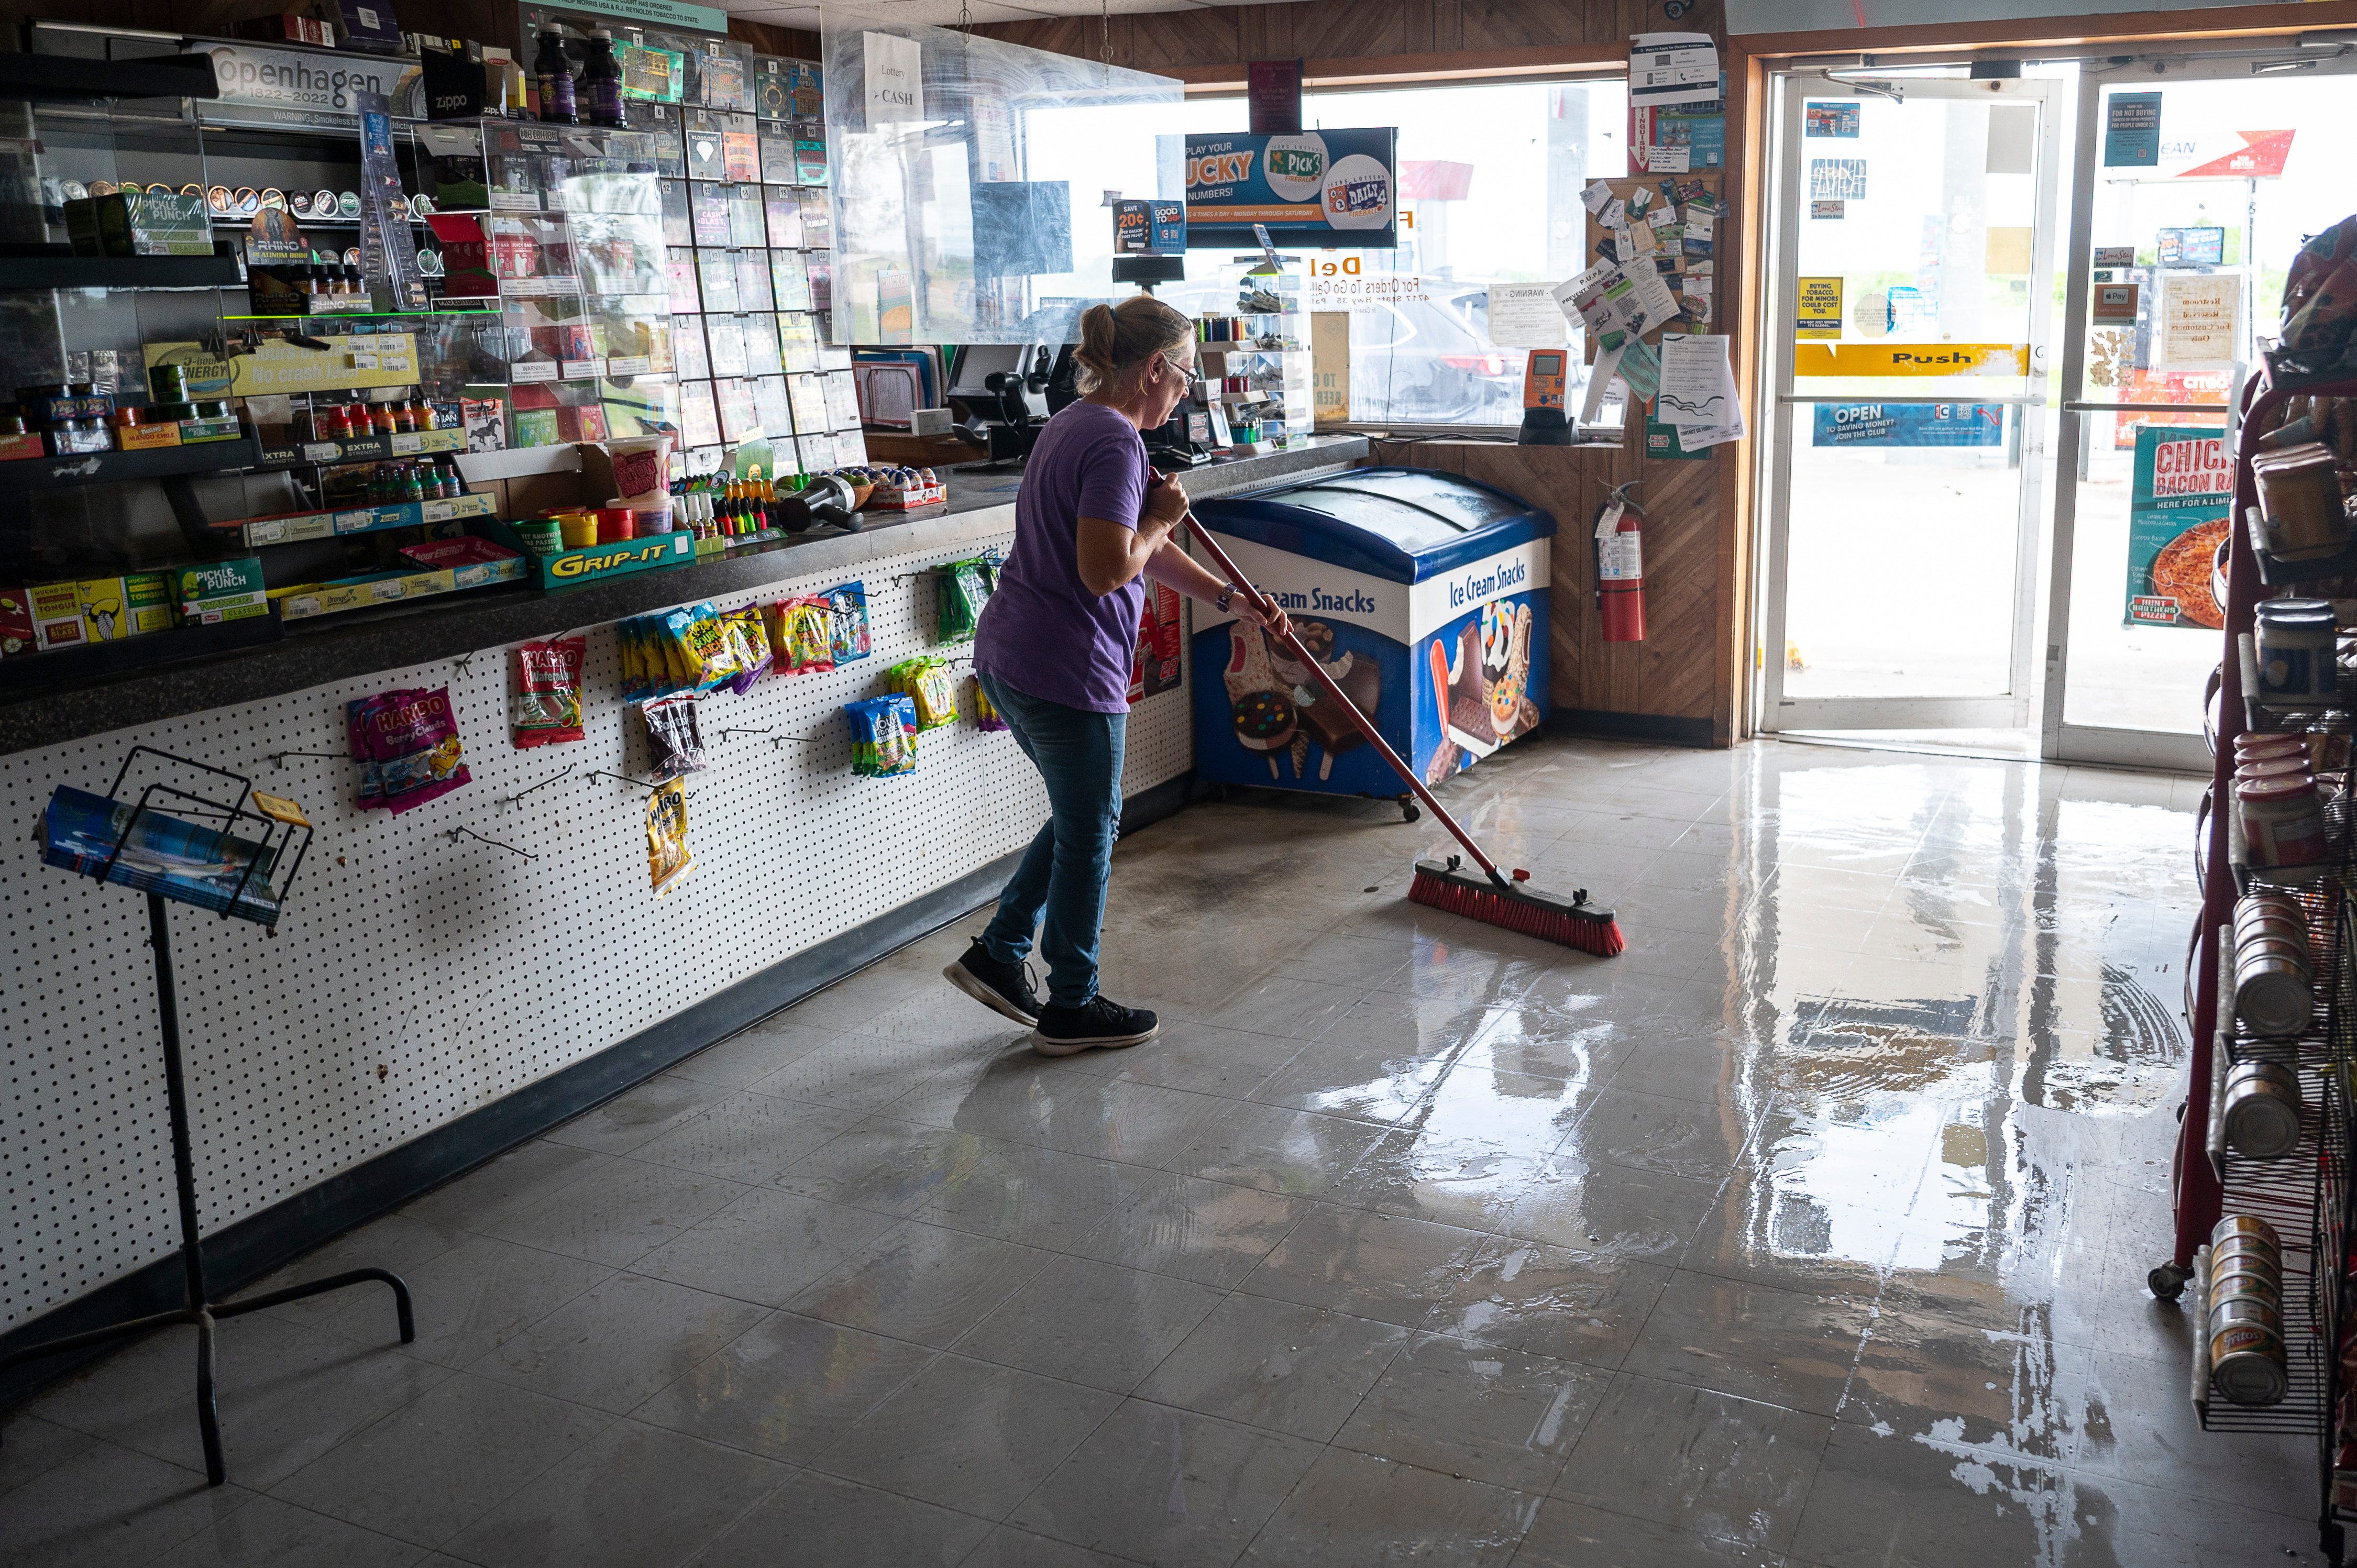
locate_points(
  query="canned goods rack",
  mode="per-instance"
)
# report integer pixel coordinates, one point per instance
(2304, 1195)
(2281, 719)
(2289, 1194)
(2331, 1254)
(2301, 1194)
(2300, 879)
(2224, 872)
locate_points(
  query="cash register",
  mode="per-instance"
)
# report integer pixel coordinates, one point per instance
(1008, 392)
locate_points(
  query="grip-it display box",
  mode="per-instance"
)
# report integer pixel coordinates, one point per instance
(595, 562)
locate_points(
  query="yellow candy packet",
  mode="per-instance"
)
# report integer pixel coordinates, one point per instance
(668, 861)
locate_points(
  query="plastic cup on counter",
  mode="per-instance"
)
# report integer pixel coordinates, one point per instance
(616, 524)
(541, 535)
(641, 465)
(578, 529)
(652, 514)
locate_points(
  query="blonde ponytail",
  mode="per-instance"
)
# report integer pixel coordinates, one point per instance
(1118, 338)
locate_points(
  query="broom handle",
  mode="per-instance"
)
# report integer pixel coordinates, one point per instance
(1333, 693)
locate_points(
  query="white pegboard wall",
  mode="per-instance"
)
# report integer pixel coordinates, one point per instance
(414, 979)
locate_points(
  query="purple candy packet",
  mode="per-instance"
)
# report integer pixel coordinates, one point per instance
(411, 738)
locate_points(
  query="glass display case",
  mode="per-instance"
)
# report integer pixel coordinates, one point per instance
(1256, 358)
(227, 392)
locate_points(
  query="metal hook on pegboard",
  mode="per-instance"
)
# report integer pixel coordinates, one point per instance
(725, 732)
(777, 741)
(464, 662)
(641, 783)
(453, 836)
(512, 799)
(279, 758)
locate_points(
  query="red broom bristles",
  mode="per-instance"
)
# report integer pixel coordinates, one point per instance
(1601, 937)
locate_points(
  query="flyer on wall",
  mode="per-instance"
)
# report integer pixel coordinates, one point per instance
(2178, 510)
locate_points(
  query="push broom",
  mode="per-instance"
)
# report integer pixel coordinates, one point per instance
(1447, 884)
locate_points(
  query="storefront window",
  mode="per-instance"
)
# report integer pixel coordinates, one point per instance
(1490, 180)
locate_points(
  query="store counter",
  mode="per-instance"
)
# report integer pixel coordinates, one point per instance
(314, 653)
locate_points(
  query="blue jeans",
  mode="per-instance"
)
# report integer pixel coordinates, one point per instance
(1063, 873)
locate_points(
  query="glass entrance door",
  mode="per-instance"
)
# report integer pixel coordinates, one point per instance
(2193, 189)
(1911, 301)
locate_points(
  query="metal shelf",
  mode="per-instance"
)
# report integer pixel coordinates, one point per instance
(2301, 879)
(76, 79)
(100, 664)
(2306, 1195)
(108, 467)
(26, 273)
(2299, 1193)
(2277, 572)
(2281, 719)
(2286, 1193)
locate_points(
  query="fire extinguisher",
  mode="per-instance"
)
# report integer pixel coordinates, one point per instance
(1620, 567)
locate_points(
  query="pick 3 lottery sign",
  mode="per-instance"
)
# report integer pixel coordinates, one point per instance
(1323, 187)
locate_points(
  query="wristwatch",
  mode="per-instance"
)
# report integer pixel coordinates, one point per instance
(1227, 596)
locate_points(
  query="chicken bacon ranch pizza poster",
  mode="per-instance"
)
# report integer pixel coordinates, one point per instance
(2183, 495)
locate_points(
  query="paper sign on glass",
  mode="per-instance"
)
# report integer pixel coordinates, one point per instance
(1673, 68)
(2201, 320)
(2132, 130)
(894, 76)
(1694, 379)
(1836, 179)
(1835, 119)
(1817, 311)
(1525, 316)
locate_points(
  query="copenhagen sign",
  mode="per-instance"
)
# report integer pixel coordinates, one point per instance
(286, 78)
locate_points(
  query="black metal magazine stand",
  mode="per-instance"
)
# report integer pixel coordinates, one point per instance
(279, 822)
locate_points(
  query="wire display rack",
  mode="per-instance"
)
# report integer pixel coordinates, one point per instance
(251, 896)
(2303, 1194)
(2330, 1250)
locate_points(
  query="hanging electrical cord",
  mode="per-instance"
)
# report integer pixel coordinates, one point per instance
(1104, 38)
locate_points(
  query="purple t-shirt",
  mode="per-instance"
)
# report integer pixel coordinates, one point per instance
(1043, 632)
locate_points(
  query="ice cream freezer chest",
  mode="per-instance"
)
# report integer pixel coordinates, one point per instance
(1423, 593)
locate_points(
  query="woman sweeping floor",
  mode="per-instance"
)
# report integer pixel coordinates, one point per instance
(1053, 654)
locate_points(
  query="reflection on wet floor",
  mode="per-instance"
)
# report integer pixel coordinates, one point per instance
(1812, 1231)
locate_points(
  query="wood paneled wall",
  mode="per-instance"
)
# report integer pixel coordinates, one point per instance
(1668, 687)
(1184, 43)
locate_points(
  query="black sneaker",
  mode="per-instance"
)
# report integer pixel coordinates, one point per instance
(1001, 987)
(1098, 1022)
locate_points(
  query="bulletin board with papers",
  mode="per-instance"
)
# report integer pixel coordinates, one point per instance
(1652, 270)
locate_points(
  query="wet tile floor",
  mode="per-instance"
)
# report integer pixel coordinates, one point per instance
(1810, 1232)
